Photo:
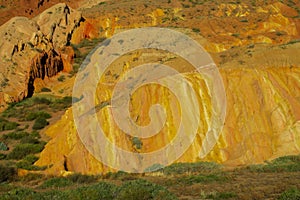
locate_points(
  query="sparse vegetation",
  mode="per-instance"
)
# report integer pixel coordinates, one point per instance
(282, 164)
(44, 89)
(40, 123)
(7, 173)
(290, 194)
(22, 150)
(7, 125)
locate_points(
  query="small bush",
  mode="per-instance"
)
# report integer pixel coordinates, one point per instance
(46, 90)
(7, 173)
(22, 150)
(27, 163)
(58, 182)
(196, 30)
(2, 156)
(198, 167)
(34, 115)
(202, 179)
(62, 78)
(7, 125)
(40, 123)
(291, 194)
(80, 178)
(143, 190)
(3, 147)
(17, 135)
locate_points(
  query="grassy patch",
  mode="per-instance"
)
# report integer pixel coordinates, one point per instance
(40, 123)
(7, 125)
(184, 168)
(58, 182)
(290, 194)
(34, 115)
(282, 164)
(22, 150)
(202, 179)
(143, 190)
(7, 173)
(218, 195)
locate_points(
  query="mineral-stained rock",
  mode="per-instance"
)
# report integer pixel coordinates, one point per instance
(262, 118)
(32, 49)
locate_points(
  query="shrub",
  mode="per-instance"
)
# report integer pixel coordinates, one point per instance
(196, 30)
(22, 150)
(45, 90)
(7, 173)
(142, 189)
(198, 167)
(34, 115)
(61, 78)
(27, 163)
(137, 143)
(7, 125)
(40, 123)
(80, 178)
(16, 135)
(290, 194)
(3, 147)
(202, 179)
(2, 156)
(58, 182)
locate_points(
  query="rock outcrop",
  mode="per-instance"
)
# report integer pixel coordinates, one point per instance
(34, 49)
(262, 121)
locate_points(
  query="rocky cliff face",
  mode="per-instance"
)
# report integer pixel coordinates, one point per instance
(33, 49)
(262, 120)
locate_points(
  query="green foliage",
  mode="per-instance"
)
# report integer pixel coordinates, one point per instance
(62, 78)
(196, 30)
(218, 196)
(80, 178)
(202, 179)
(45, 90)
(16, 135)
(34, 115)
(137, 143)
(291, 194)
(98, 191)
(7, 125)
(282, 164)
(2, 156)
(27, 163)
(40, 123)
(57, 182)
(3, 147)
(143, 190)
(7, 173)
(22, 150)
(198, 167)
